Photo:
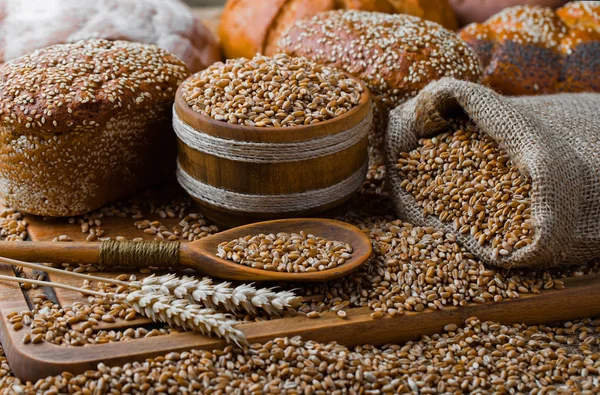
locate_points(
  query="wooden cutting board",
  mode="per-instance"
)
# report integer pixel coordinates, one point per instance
(580, 298)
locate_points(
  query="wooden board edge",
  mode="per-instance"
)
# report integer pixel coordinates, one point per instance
(580, 298)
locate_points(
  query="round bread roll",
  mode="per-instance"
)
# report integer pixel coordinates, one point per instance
(528, 50)
(248, 26)
(86, 123)
(469, 11)
(26, 25)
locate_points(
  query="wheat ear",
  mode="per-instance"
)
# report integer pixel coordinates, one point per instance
(183, 314)
(244, 297)
(162, 308)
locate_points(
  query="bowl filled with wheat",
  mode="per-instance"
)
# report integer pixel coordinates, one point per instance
(271, 137)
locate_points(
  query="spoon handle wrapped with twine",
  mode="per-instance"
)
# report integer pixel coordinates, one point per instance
(108, 254)
(136, 254)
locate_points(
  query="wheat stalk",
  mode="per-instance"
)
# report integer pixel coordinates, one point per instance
(244, 297)
(162, 308)
(183, 314)
(220, 296)
(50, 269)
(182, 301)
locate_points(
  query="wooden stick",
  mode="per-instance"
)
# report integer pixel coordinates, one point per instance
(37, 266)
(52, 284)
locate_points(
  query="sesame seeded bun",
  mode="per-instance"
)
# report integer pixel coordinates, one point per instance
(529, 50)
(85, 123)
(395, 55)
(249, 27)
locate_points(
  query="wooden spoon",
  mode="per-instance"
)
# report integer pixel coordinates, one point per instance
(200, 255)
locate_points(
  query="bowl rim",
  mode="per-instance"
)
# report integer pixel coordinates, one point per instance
(205, 124)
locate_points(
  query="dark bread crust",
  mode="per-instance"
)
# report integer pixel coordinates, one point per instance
(75, 173)
(531, 50)
(84, 124)
(248, 27)
(83, 85)
(205, 50)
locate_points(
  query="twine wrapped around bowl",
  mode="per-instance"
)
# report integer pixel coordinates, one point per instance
(239, 174)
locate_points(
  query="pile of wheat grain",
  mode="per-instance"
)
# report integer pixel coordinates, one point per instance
(481, 357)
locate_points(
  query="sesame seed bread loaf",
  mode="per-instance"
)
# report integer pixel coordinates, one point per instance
(86, 123)
(26, 25)
(395, 55)
(249, 26)
(528, 50)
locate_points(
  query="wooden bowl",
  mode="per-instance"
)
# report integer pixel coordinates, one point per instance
(234, 188)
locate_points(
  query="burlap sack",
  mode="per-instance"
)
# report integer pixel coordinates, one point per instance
(555, 140)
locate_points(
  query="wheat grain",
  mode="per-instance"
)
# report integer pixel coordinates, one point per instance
(281, 91)
(464, 177)
(13, 227)
(285, 252)
(473, 357)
